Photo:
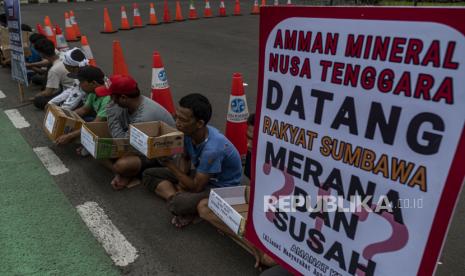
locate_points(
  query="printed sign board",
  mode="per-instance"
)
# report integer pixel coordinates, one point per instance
(359, 146)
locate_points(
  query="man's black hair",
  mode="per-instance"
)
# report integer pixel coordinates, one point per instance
(199, 104)
(26, 28)
(45, 47)
(3, 21)
(77, 55)
(33, 38)
(251, 119)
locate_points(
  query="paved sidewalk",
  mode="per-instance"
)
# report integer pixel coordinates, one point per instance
(40, 232)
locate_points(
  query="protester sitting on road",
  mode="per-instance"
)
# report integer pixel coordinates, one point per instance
(127, 107)
(36, 66)
(90, 78)
(73, 97)
(248, 158)
(207, 214)
(215, 160)
(57, 76)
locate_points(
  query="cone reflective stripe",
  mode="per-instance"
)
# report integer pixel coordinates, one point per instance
(222, 9)
(160, 88)
(276, 3)
(70, 33)
(236, 122)
(124, 20)
(87, 51)
(40, 29)
(107, 25)
(136, 20)
(237, 8)
(179, 16)
(255, 9)
(208, 10)
(119, 65)
(263, 3)
(166, 13)
(49, 33)
(62, 45)
(153, 17)
(192, 11)
(289, 3)
(74, 23)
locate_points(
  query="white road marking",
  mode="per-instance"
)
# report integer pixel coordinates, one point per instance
(51, 161)
(120, 250)
(16, 118)
(2, 95)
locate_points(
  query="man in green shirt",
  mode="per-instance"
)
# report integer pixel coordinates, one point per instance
(89, 77)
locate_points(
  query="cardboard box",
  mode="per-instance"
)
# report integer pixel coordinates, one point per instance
(59, 121)
(231, 206)
(156, 139)
(96, 138)
(5, 47)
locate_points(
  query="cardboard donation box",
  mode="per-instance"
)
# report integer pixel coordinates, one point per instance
(96, 138)
(156, 139)
(5, 47)
(59, 121)
(231, 205)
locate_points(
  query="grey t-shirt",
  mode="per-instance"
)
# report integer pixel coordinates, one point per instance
(119, 118)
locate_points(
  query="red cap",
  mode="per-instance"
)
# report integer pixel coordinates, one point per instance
(117, 85)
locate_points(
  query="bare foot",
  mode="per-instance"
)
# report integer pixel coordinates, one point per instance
(120, 182)
(182, 221)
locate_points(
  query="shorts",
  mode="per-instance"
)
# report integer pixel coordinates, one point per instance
(183, 203)
(146, 163)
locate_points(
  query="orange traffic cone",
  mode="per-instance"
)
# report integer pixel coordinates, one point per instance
(236, 123)
(136, 19)
(69, 30)
(276, 3)
(237, 8)
(255, 9)
(179, 16)
(263, 3)
(160, 88)
(192, 11)
(74, 23)
(49, 30)
(40, 29)
(166, 13)
(207, 12)
(107, 25)
(222, 9)
(62, 45)
(124, 20)
(87, 51)
(119, 65)
(153, 17)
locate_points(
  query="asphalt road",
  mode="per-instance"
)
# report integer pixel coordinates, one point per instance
(199, 56)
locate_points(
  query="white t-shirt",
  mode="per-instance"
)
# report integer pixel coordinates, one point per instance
(58, 76)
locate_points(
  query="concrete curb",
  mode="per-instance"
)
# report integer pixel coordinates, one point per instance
(52, 1)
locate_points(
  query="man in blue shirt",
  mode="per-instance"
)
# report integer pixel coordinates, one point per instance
(215, 160)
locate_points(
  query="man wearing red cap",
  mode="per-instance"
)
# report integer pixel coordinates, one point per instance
(127, 107)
